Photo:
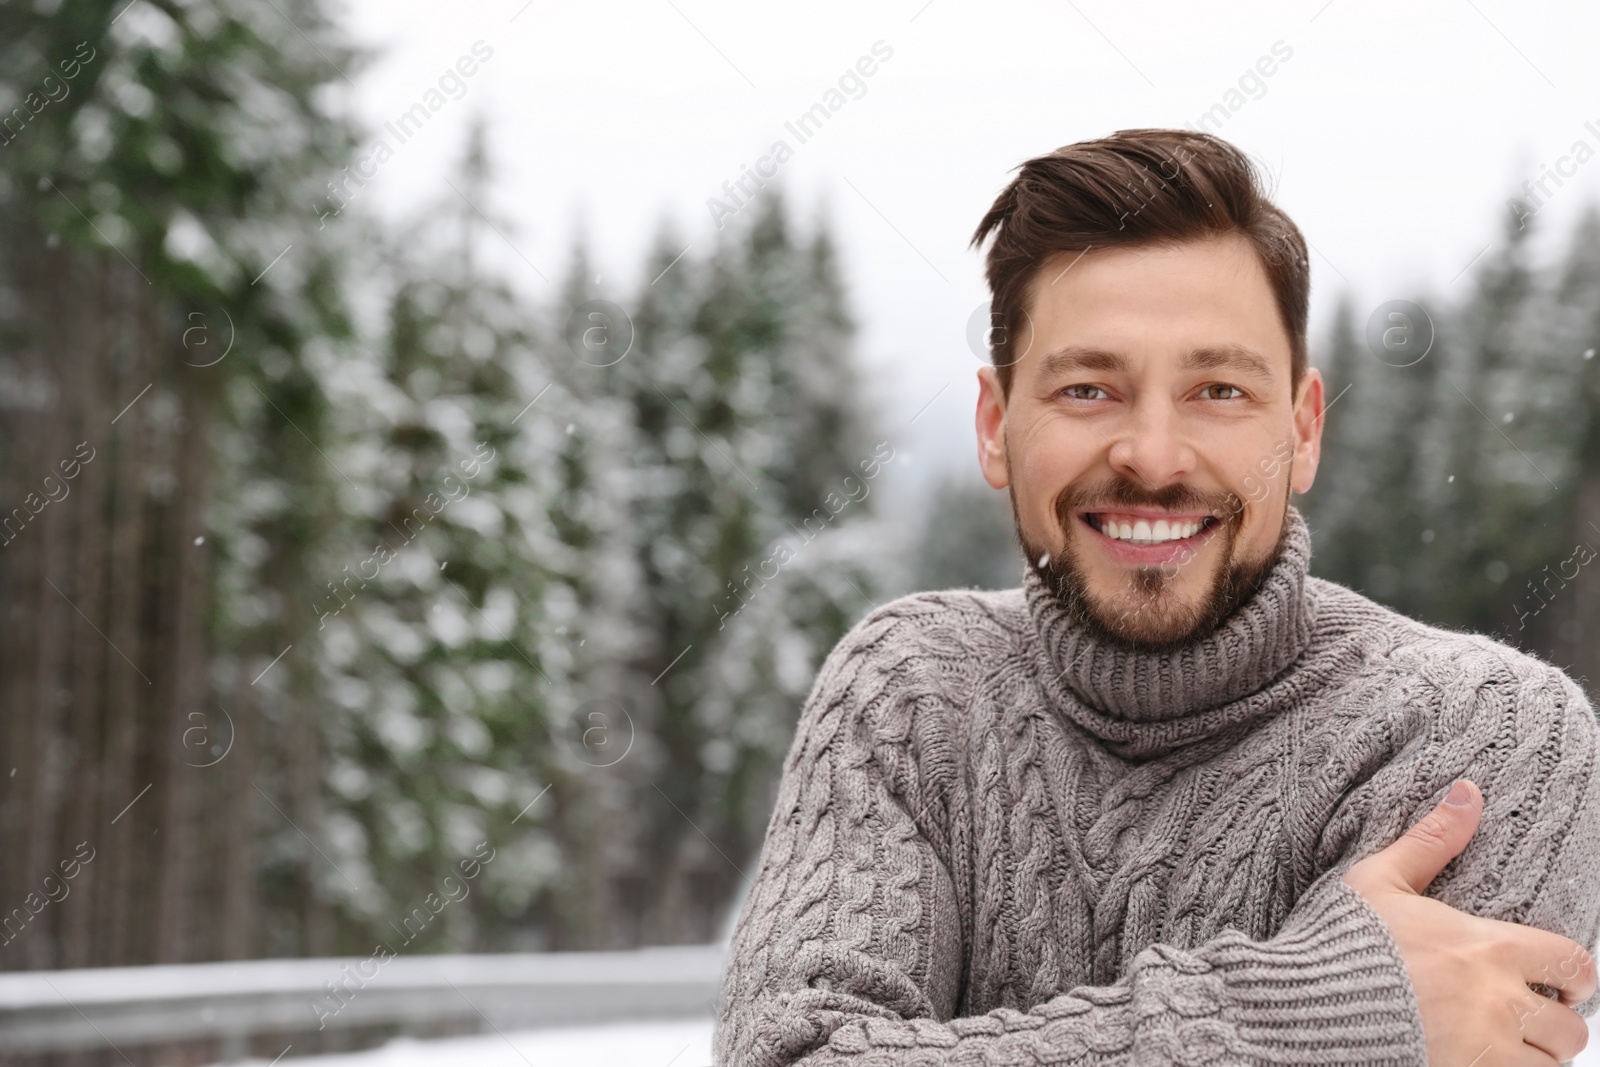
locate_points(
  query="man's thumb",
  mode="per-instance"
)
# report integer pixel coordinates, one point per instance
(1418, 856)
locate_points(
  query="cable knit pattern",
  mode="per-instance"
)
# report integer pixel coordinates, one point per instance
(998, 841)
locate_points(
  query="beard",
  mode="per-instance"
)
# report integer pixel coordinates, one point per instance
(1148, 616)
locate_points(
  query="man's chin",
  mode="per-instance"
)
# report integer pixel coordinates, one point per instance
(1149, 609)
(1146, 621)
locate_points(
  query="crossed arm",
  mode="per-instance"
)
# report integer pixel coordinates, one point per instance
(849, 949)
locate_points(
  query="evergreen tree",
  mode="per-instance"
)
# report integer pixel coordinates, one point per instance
(748, 423)
(1479, 482)
(1364, 506)
(1461, 494)
(158, 161)
(452, 592)
(1571, 629)
(967, 537)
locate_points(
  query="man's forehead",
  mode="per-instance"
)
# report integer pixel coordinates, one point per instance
(1200, 305)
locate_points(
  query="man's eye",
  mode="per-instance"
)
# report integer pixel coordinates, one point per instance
(1083, 392)
(1212, 391)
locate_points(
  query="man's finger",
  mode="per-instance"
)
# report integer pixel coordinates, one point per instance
(1549, 959)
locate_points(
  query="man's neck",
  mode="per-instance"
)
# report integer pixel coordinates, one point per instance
(1144, 699)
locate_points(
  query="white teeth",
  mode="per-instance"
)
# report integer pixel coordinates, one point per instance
(1141, 531)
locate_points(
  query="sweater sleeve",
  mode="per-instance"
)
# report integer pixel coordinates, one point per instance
(850, 947)
(1527, 735)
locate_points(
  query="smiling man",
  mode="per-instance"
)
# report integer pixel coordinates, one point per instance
(1174, 800)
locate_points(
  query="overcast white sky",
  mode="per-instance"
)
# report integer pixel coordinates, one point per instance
(1394, 134)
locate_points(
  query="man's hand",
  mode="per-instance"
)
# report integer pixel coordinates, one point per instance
(1472, 975)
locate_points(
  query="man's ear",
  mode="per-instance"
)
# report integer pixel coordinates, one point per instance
(991, 423)
(1308, 421)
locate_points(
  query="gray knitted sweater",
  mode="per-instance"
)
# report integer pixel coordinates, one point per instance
(998, 841)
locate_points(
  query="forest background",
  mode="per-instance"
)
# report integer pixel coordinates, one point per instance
(322, 571)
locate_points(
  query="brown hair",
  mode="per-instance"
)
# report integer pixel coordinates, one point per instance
(1136, 187)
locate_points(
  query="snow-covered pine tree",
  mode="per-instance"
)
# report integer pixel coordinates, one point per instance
(1565, 614)
(1452, 489)
(1370, 464)
(436, 613)
(748, 422)
(148, 217)
(966, 537)
(1474, 480)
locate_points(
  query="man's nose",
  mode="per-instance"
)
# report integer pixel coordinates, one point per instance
(1151, 444)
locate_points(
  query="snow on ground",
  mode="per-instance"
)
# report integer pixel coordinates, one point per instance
(640, 1044)
(652, 1044)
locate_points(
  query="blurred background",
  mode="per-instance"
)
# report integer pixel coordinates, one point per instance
(439, 443)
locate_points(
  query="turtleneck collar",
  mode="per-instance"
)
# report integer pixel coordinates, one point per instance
(1141, 703)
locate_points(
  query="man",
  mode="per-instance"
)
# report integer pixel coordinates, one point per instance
(1174, 800)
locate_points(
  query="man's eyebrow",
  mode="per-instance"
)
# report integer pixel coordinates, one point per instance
(1077, 357)
(1242, 358)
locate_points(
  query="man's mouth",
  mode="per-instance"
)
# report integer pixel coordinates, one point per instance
(1150, 527)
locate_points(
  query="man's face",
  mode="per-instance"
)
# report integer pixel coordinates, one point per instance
(1150, 441)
